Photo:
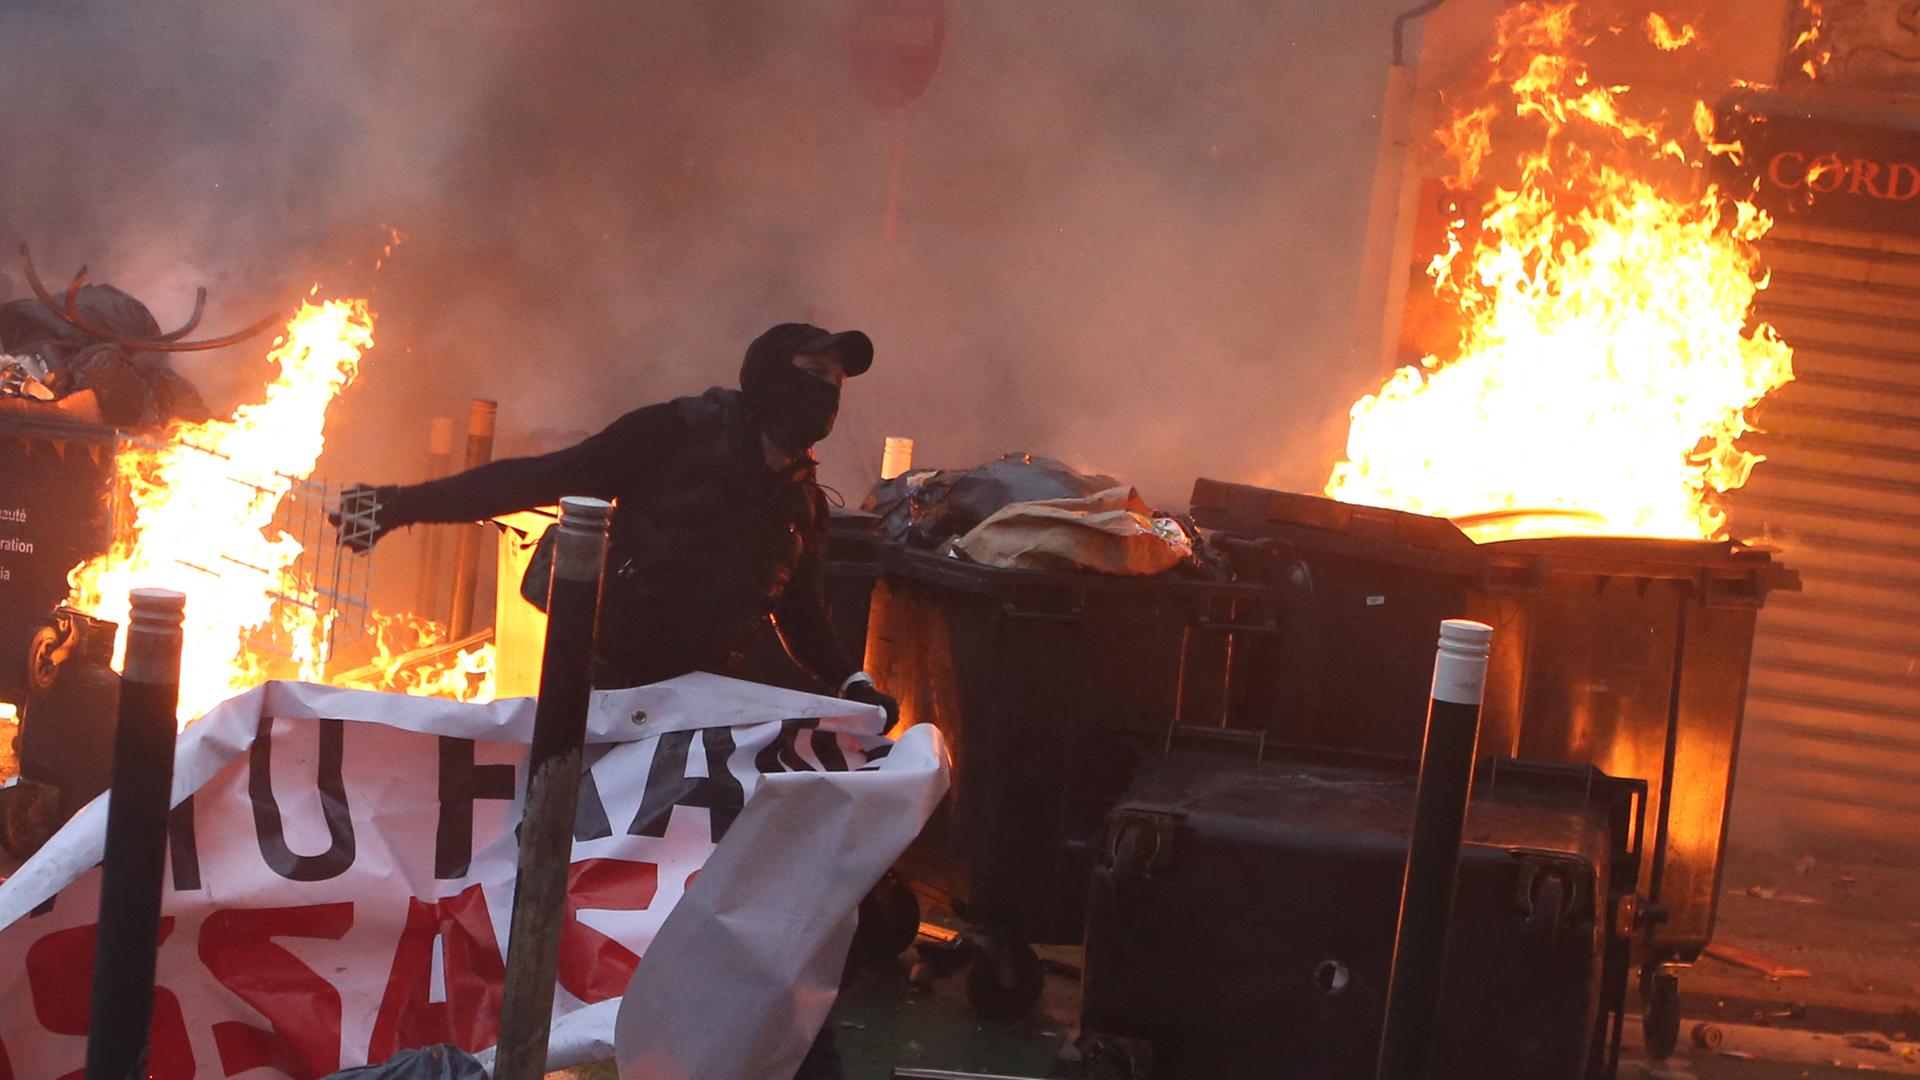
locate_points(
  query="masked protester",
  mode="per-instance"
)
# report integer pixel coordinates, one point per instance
(718, 523)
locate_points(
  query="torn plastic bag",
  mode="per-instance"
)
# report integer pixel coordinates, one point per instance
(928, 507)
(441, 1062)
(1109, 532)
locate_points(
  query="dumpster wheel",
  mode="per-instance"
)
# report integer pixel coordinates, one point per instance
(889, 918)
(1660, 1024)
(43, 660)
(29, 816)
(1116, 1059)
(1005, 979)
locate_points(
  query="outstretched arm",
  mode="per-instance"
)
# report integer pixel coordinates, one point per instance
(601, 466)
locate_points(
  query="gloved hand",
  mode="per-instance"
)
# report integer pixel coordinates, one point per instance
(860, 688)
(365, 514)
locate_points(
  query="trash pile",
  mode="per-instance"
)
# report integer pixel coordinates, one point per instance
(1025, 512)
(97, 355)
(46, 360)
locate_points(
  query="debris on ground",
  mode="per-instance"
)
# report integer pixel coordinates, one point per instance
(1739, 956)
(1769, 892)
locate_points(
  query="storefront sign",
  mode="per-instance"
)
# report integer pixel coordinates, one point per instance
(1826, 174)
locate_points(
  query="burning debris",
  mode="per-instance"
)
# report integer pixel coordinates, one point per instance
(209, 502)
(1605, 358)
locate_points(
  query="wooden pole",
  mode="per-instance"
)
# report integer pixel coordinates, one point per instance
(466, 559)
(553, 790)
(134, 859)
(428, 596)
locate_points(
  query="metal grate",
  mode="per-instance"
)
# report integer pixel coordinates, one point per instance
(335, 566)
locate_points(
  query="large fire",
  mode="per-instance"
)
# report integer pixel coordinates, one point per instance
(205, 498)
(1605, 363)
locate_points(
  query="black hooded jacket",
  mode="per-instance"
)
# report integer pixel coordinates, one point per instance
(706, 540)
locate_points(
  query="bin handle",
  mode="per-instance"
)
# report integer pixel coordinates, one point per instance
(1212, 625)
(1072, 614)
(1244, 736)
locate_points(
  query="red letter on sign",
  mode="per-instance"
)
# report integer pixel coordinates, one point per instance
(593, 966)
(60, 978)
(470, 1017)
(302, 1009)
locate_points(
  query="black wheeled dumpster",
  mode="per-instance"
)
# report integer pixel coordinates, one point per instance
(1622, 653)
(1243, 914)
(55, 513)
(1050, 689)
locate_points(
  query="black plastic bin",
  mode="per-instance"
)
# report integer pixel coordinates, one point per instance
(1243, 916)
(55, 513)
(1622, 653)
(1049, 688)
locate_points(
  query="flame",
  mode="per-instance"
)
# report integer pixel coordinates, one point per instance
(410, 657)
(1810, 52)
(1665, 37)
(205, 498)
(1605, 362)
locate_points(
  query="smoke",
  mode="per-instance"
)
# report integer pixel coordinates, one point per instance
(1129, 234)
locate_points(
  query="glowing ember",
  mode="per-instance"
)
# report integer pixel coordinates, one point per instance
(1605, 363)
(204, 500)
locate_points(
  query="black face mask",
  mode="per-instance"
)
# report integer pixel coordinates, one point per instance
(796, 409)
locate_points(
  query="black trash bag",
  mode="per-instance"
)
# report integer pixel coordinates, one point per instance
(29, 324)
(442, 1062)
(174, 398)
(125, 397)
(926, 508)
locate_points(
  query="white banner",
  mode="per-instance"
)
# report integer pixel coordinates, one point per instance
(341, 867)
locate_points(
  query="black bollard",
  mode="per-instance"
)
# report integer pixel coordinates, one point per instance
(1439, 816)
(135, 857)
(553, 791)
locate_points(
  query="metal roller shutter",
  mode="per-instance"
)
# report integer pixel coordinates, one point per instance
(1832, 738)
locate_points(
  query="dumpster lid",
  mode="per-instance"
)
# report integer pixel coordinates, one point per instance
(1721, 569)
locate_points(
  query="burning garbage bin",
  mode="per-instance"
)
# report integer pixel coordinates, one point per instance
(1623, 653)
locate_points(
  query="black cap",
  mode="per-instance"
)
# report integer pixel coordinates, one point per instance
(854, 347)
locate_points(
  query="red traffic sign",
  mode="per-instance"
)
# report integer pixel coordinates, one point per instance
(895, 49)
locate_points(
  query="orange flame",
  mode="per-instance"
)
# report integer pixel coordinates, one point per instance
(1605, 361)
(204, 501)
(1665, 37)
(1810, 49)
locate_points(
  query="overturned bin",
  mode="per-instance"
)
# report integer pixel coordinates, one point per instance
(1049, 688)
(1623, 653)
